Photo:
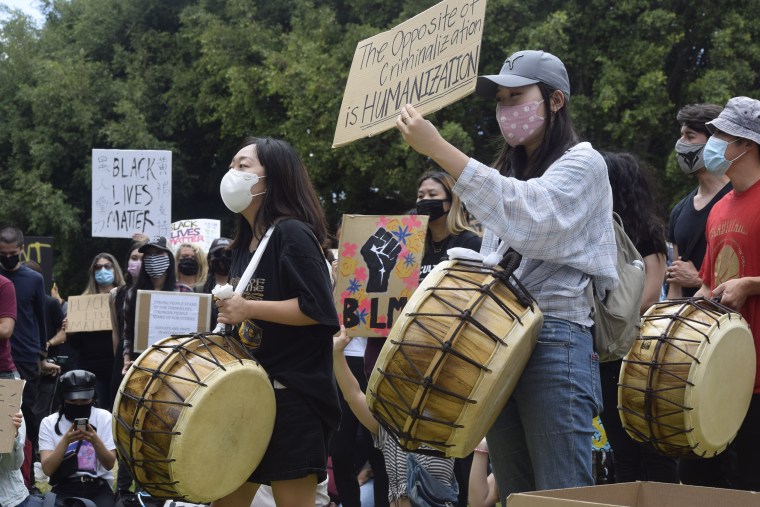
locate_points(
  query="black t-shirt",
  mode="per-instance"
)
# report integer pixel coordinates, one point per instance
(95, 352)
(300, 357)
(686, 223)
(436, 252)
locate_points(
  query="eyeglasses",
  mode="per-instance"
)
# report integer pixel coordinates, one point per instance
(221, 255)
(98, 267)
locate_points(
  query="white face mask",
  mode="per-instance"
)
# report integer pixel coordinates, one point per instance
(235, 189)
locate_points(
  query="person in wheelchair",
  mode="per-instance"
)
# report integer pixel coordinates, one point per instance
(77, 450)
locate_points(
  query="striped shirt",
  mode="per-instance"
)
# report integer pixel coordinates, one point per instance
(396, 468)
(560, 222)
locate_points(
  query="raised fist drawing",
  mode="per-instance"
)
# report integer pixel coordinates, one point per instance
(380, 252)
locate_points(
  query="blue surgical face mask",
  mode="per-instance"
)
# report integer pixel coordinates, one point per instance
(714, 155)
(104, 276)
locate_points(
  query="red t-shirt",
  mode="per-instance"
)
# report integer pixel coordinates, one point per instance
(7, 309)
(733, 244)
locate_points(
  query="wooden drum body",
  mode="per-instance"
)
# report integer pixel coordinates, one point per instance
(454, 357)
(687, 382)
(193, 417)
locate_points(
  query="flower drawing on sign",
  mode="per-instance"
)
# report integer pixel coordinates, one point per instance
(353, 285)
(412, 221)
(402, 234)
(349, 250)
(409, 259)
(361, 274)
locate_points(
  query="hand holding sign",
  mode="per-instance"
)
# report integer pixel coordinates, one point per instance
(418, 132)
(380, 252)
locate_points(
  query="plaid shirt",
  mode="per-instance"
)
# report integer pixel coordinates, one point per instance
(560, 222)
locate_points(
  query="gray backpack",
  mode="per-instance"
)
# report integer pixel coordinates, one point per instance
(616, 318)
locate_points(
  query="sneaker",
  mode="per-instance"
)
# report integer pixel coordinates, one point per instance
(39, 475)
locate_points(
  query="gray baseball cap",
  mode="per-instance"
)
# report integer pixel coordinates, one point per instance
(525, 68)
(740, 118)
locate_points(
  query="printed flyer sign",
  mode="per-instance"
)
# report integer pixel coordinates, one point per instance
(162, 314)
(379, 260)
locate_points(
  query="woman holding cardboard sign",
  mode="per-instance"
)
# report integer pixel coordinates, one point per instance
(548, 197)
(95, 348)
(157, 272)
(285, 315)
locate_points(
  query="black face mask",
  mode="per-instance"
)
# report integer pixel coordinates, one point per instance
(432, 207)
(188, 266)
(76, 411)
(221, 266)
(10, 262)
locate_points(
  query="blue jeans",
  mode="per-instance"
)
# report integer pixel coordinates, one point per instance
(542, 437)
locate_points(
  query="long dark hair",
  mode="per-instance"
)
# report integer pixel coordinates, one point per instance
(559, 136)
(632, 200)
(289, 193)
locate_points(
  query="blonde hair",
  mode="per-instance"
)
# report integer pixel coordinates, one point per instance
(118, 276)
(456, 220)
(200, 258)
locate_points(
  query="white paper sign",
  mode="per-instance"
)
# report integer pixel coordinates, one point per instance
(172, 315)
(199, 231)
(131, 192)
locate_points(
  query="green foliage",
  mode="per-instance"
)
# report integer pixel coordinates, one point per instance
(196, 76)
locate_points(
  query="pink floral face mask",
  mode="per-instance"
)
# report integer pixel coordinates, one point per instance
(517, 123)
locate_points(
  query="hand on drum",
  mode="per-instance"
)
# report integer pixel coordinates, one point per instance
(418, 132)
(341, 340)
(233, 310)
(683, 274)
(733, 293)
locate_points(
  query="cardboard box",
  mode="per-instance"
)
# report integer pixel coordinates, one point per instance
(636, 494)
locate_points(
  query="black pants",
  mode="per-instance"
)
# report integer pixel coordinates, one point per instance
(99, 492)
(747, 445)
(633, 460)
(31, 373)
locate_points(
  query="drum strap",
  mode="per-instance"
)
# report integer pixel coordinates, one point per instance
(248, 273)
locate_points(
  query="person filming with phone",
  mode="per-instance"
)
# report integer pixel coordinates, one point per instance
(77, 450)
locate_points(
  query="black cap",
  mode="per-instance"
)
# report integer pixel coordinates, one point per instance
(156, 242)
(218, 244)
(77, 385)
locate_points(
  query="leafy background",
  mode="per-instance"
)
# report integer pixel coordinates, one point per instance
(196, 76)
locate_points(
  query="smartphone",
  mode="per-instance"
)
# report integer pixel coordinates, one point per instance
(81, 423)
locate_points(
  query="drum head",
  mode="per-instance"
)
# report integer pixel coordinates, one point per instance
(720, 387)
(218, 448)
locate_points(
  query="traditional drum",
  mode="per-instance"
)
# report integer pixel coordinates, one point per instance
(686, 384)
(454, 357)
(193, 417)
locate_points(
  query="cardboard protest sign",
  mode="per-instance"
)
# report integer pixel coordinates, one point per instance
(159, 315)
(88, 313)
(198, 231)
(131, 192)
(379, 261)
(40, 250)
(10, 403)
(428, 61)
